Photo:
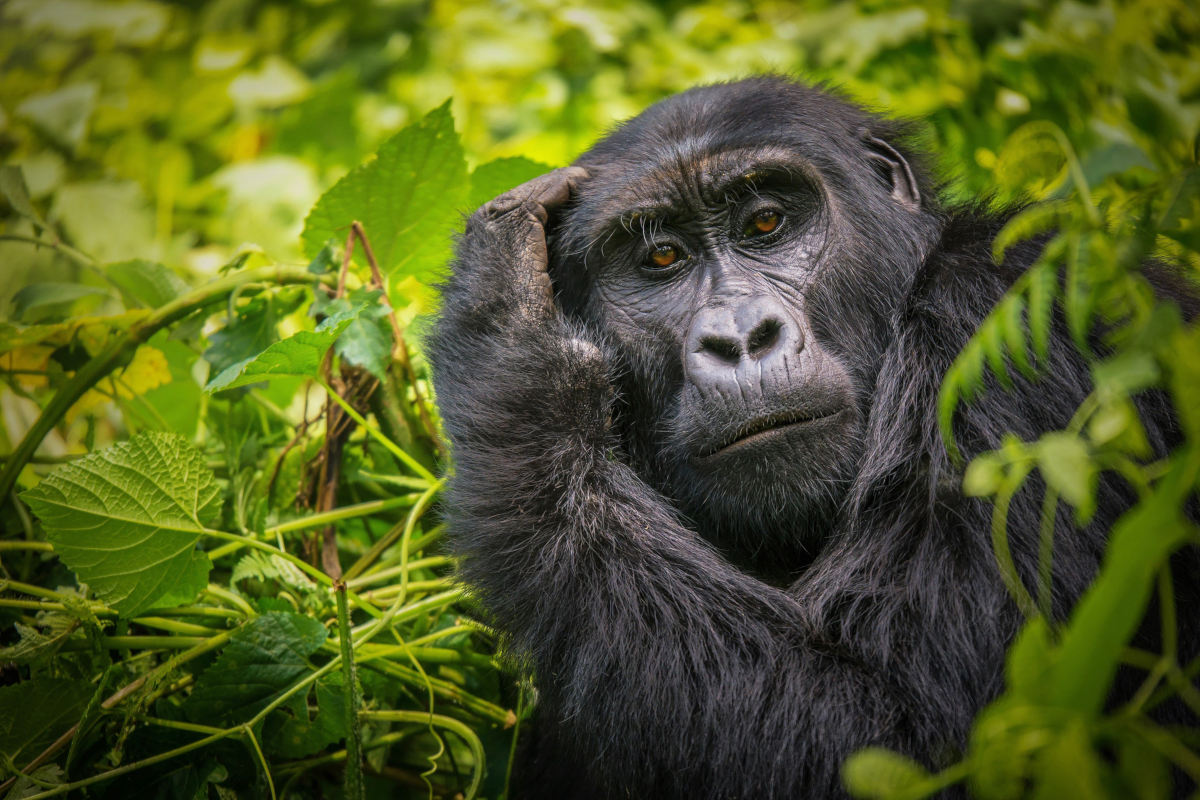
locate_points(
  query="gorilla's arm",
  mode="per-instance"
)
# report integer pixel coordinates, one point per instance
(671, 665)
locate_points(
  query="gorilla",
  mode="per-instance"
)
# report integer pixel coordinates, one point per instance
(690, 384)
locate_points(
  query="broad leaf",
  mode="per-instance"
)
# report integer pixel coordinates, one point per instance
(262, 660)
(12, 186)
(42, 301)
(126, 520)
(367, 341)
(63, 114)
(408, 198)
(34, 713)
(147, 283)
(298, 356)
(302, 735)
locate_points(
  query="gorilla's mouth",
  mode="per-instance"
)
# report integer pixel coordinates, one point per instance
(762, 427)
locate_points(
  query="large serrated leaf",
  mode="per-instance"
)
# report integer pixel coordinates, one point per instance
(126, 520)
(298, 356)
(262, 660)
(408, 198)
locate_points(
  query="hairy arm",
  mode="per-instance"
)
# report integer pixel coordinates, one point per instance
(665, 667)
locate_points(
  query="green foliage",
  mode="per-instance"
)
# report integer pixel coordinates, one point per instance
(33, 714)
(127, 519)
(415, 186)
(263, 659)
(298, 356)
(208, 449)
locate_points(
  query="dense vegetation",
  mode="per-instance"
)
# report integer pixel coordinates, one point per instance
(220, 572)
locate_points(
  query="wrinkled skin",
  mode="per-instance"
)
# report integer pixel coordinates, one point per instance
(690, 384)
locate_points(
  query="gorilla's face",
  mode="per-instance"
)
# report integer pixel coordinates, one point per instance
(749, 310)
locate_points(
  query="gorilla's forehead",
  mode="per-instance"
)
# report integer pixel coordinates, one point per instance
(685, 176)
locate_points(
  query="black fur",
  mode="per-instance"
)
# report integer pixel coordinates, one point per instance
(737, 632)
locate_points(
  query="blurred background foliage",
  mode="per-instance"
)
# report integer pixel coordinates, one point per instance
(179, 131)
(198, 135)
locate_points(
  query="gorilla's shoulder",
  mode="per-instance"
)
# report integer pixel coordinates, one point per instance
(960, 274)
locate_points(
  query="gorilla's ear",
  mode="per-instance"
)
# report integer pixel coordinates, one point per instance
(893, 170)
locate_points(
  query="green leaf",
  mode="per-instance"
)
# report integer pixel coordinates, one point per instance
(109, 220)
(305, 734)
(279, 572)
(1113, 158)
(42, 301)
(298, 356)
(877, 773)
(327, 260)
(991, 336)
(44, 777)
(1067, 466)
(1183, 350)
(126, 520)
(1069, 767)
(35, 647)
(262, 660)
(984, 476)
(1028, 223)
(1110, 610)
(1030, 660)
(1011, 315)
(146, 283)
(409, 198)
(1143, 771)
(249, 331)
(1126, 373)
(63, 114)
(367, 341)
(34, 713)
(1043, 288)
(497, 177)
(12, 186)
(1116, 423)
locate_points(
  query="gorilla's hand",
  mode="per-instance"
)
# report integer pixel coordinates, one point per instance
(503, 252)
(512, 370)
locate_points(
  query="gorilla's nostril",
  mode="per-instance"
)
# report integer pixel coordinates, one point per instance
(726, 349)
(764, 336)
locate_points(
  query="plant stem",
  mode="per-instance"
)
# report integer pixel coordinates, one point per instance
(353, 783)
(397, 532)
(44, 547)
(447, 723)
(391, 446)
(317, 521)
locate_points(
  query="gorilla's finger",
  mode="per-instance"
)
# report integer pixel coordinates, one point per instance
(541, 195)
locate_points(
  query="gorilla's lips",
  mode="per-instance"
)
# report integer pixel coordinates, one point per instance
(763, 427)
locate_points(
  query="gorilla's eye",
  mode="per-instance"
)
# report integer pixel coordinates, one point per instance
(763, 222)
(663, 256)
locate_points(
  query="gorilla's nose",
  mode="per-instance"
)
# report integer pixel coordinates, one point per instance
(755, 329)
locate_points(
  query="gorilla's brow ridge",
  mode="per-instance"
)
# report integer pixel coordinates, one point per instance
(718, 183)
